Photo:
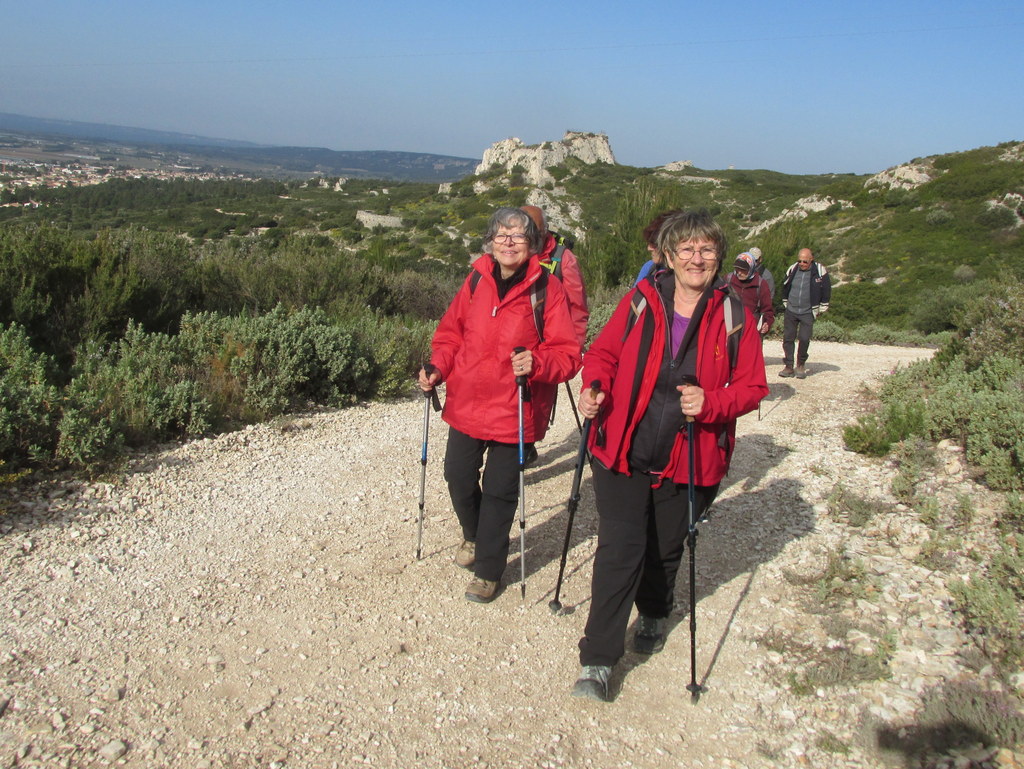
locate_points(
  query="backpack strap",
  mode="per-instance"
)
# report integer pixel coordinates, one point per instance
(554, 265)
(637, 304)
(734, 323)
(538, 295)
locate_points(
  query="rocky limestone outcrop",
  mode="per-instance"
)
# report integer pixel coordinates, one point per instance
(1013, 154)
(563, 214)
(800, 210)
(905, 177)
(536, 159)
(679, 165)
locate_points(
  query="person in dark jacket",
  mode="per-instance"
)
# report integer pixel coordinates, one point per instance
(473, 352)
(806, 292)
(671, 326)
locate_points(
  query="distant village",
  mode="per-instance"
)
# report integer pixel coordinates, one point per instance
(80, 171)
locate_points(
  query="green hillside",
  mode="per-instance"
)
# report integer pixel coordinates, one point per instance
(141, 309)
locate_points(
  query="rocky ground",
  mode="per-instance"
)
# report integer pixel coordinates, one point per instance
(254, 600)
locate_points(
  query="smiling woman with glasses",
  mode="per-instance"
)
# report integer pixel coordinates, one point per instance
(664, 423)
(487, 339)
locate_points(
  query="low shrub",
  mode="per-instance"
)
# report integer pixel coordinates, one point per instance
(278, 362)
(29, 403)
(989, 603)
(956, 715)
(136, 391)
(400, 346)
(828, 331)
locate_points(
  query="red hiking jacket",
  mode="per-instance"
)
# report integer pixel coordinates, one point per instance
(472, 350)
(615, 359)
(572, 282)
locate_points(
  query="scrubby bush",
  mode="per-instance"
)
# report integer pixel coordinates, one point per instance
(827, 331)
(135, 391)
(972, 391)
(279, 361)
(400, 346)
(874, 434)
(990, 606)
(29, 402)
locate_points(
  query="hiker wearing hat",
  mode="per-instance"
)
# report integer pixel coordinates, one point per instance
(488, 339)
(753, 291)
(763, 271)
(805, 295)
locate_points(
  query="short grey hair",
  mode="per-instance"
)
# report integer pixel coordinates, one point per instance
(514, 217)
(692, 225)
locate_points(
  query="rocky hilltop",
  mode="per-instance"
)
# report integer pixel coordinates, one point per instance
(536, 159)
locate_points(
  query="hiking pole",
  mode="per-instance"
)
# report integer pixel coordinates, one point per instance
(572, 405)
(694, 688)
(430, 398)
(524, 396)
(574, 499)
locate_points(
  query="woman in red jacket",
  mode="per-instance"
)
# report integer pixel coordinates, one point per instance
(473, 352)
(670, 327)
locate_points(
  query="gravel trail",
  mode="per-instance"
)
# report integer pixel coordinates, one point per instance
(253, 600)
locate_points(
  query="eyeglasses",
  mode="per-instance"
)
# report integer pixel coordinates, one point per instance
(514, 237)
(803, 262)
(688, 252)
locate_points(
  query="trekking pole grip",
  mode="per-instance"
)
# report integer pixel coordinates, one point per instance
(690, 381)
(430, 368)
(521, 379)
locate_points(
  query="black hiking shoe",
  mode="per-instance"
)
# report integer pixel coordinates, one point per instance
(787, 371)
(592, 683)
(650, 634)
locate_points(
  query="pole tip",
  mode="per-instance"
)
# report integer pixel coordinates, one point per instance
(555, 606)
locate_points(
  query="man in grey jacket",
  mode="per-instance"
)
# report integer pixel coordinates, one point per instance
(805, 295)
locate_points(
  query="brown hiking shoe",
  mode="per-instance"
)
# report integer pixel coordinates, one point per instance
(787, 371)
(481, 590)
(465, 556)
(801, 372)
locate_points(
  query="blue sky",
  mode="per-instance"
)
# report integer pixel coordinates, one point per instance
(789, 86)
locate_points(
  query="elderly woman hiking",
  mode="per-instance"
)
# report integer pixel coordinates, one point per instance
(490, 336)
(667, 333)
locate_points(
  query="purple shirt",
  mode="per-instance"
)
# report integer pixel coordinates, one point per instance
(679, 326)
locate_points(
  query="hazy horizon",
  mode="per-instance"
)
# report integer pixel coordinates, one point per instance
(797, 89)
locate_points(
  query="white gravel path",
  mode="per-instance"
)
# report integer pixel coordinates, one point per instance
(253, 600)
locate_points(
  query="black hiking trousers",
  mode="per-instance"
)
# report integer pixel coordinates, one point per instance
(641, 536)
(485, 511)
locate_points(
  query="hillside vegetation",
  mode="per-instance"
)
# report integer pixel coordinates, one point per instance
(143, 309)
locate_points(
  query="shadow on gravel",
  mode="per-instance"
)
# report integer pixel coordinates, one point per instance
(719, 560)
(778, 393)
(750, 519)
(544, 541)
